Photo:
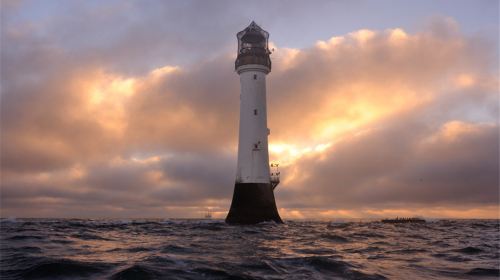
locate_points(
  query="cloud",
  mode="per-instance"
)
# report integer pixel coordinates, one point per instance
(370, 123)
(187, 110)
(405, 163)
(147, 187)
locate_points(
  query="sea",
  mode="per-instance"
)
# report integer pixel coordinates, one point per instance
(212, 249)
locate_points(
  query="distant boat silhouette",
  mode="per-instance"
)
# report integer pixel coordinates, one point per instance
(403, 220)
(208, 214)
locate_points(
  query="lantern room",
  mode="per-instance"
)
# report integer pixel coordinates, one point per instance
(253, 46)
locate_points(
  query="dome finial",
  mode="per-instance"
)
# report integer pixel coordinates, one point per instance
(254, 26)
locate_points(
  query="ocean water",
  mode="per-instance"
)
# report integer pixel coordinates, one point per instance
(210, 249)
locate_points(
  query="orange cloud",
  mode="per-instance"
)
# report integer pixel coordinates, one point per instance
(362, 124)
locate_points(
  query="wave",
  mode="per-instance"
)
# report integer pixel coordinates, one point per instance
(451, 258)
(329, 266)
(364, 250)
(175, 249)
(139, 249)
(62, 241)
(200, 249)
(469, 250)
(136, 272)
(52, 269)
(25, 237)
(30, 249)
(408, 251)
(335, 238)
(368, 235)
(88, 236)
(484, 272)
(337, 225)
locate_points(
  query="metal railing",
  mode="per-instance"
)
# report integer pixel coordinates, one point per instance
(275, 175)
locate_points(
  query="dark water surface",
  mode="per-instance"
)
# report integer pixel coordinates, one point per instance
(210, 249)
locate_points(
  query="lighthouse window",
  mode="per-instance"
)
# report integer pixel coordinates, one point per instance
(255, 112)
(255, 76)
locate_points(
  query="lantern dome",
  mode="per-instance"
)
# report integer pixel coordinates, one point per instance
(253, 46)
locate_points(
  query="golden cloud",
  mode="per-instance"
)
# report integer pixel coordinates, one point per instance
(355, 120)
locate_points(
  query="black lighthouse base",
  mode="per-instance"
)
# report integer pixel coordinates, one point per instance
(253, 203)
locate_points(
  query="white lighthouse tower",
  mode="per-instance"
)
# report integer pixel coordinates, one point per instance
(253, 197)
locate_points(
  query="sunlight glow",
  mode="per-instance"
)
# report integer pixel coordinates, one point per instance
(161, 71)
(397, 36)
(111, 88)
(340, 117)
(363, 35)
(464, 80)
(147, 160)
(287, 154)
(107, 97)
(453, 130)
(331, 43)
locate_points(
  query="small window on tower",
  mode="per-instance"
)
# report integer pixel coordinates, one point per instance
(255, 112)
(255, 76)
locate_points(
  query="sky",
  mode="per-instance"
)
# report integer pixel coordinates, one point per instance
(129, 109)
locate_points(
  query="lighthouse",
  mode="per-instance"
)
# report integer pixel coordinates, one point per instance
(253, 196)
